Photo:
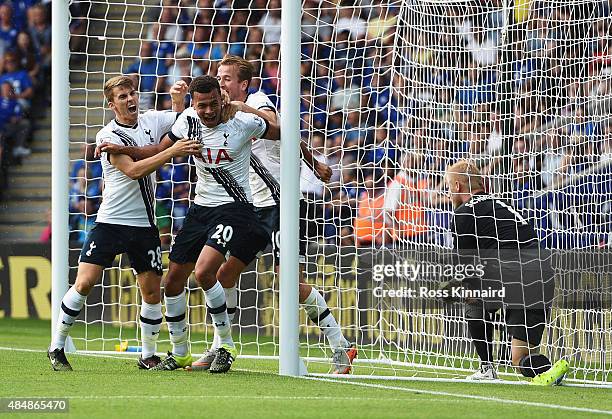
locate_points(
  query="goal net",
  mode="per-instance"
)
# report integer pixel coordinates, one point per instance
(392, 93)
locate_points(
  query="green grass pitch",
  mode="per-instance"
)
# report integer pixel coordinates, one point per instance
(112, 386)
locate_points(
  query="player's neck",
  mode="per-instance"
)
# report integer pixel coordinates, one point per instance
(469, 196)
(127, 122)
(243, 96)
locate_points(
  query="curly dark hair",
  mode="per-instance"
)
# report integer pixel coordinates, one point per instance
(204, 84)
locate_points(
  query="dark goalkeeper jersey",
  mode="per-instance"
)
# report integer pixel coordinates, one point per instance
(486, 222)
(488, 231)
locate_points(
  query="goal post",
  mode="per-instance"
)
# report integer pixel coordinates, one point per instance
(60, 125)
(289, 361)
(390, 94)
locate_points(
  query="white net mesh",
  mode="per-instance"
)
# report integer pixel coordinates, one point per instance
(393, 92)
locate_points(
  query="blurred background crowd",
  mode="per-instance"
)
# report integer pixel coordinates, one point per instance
(392, 93)
(25, 69)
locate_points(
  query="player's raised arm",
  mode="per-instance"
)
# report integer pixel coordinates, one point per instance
(138, 169)
(273, 130)
(178, 91)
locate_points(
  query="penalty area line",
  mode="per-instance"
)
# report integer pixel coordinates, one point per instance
(462, 396)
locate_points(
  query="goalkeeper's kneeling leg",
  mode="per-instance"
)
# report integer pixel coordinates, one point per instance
(534, 364)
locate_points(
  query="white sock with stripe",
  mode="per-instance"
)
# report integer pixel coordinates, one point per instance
(231, 300)
(72, 303)
(177, 324)
(217, 308)
(319, 313)
(150, 323)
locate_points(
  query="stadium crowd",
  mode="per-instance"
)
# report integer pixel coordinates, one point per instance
(25, 71)
(389, 102)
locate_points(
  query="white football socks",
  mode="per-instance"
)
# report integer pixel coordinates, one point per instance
(231, 300)
(216, 303)
(317, 310)
(72, 303)
(177, 325)
(150, 323)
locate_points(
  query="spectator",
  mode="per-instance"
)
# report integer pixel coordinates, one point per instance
(169, 29)
(199, 47)
(380, 148)
(600, 96)
(404, 198)
(40, 32)
(370, 219)
(382, 27)
(218, 48)
(482, 46)
(8, 32)
(270, 23)
(29, 60)
(349, 20)
(84, 201)
(346, 97)
(19, 80)
(182, 68)
(151, 71)
(270, 73)
(12, 124)
(162, 48)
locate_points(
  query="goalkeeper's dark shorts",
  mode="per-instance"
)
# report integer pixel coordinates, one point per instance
(527, 325)
(521, 324)
(270, 221)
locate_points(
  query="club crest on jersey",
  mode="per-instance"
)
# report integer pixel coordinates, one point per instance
(148, 132)
(225, 136)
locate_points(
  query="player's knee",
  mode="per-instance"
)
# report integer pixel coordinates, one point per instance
(226, 276)
(304, 291)
(204, 277)
(173, 284)
(83, 285)
(151, 296)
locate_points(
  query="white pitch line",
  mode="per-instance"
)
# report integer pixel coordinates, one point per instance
(380, 386)
(464, 396)
(255, 397)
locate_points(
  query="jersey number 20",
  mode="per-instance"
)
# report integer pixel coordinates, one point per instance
(223, 234)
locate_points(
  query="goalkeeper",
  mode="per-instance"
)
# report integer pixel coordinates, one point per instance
(484, 225)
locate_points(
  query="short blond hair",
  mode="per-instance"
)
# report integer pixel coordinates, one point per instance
(117, 81)
(245, 68)
(466, 173)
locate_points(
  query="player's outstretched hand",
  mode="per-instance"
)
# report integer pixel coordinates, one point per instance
(107, 148)
(186, 147)
(178, 91)
(323, 171)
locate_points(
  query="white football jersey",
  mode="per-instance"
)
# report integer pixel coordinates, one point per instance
(223, 170)
(264, 173)
(126, 201)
